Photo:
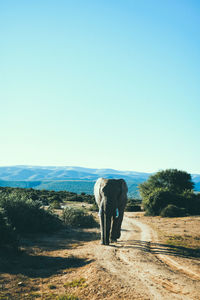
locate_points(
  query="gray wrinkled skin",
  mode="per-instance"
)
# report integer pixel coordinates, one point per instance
(111, 197)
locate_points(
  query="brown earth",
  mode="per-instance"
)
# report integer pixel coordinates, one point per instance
(150, 261)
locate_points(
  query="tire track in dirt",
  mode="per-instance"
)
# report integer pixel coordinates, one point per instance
(141, 272)
(149, 235)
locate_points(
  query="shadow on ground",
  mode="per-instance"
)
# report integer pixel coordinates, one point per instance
(64, 239)
(39, 265)
(38, 258)
(164, 249)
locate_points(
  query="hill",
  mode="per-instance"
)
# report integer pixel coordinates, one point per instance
(37, 173)
(74, 179)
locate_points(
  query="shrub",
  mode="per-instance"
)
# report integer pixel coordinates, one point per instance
(169, 187)
(158, 200)
(94, 207)
(75, 197)
(7, 233)
(191, 202)
(78, 218)
(133, 205)
(27, 216)
(88, 198)
(55, 204)
(173, 211)
(82, 198)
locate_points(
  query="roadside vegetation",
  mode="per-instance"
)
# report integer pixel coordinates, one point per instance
(76, 217)
(170, 193)
(36, 229)
(176, 231)
(29, 211)
(133, 205)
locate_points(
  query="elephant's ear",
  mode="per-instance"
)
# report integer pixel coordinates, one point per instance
(124, 188)
(97, 190)
(105, 188)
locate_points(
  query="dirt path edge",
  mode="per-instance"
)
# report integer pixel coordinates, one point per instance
(149, 235)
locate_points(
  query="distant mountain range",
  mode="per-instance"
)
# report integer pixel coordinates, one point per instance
(75, 179)
(33, 173)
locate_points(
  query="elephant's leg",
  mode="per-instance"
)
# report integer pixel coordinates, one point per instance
(116, 226)
(102, 228)
(114, 229)
(119, 223)
(107, 223)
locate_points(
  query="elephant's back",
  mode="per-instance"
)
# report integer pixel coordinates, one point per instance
(114, 186)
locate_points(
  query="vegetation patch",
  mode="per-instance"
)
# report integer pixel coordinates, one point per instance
(78, 218)
(94, 207)
(170, 193)
(67, 297)
(46, 197)
(173, 211)
(77, 283)
(188, 241)
(7, 233)
(34, 296)
(27, 216)
(133, 205)
(55, 204)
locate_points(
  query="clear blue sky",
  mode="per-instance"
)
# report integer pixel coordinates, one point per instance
(103, 84)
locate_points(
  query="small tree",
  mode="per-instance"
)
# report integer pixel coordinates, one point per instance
(172, 179)
(167, 187)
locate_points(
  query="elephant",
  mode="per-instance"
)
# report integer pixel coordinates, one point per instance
(111, 198)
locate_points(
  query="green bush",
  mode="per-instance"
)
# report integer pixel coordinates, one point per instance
(81, 198)
(158, 200)
(191, 202)
(27, 216)
(8, 237)
(78, 218)
(88, 198)
(94, 207)
(172, 211)
(133, 205)
(55, 204)
(169, 187)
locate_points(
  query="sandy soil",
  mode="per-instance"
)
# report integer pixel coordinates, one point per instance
(138, 266)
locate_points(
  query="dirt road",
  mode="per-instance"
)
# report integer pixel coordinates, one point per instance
(72, 263)
(139, 264)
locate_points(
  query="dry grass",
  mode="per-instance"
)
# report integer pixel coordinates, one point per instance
(182, 232)
(77, 283)
(48, 267)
